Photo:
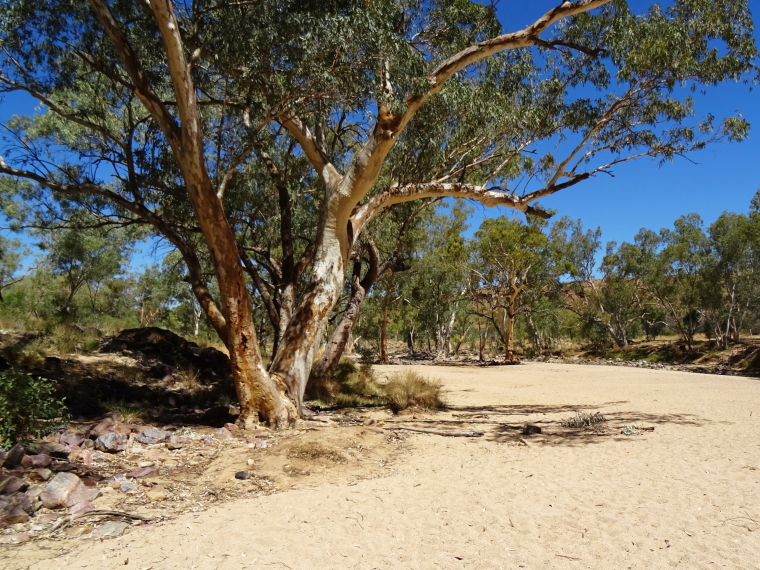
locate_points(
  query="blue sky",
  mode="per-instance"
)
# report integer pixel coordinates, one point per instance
(645, 194)
(642, 193)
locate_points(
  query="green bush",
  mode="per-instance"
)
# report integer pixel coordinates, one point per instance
(26, 402)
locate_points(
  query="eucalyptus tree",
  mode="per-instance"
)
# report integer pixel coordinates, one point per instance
(509, 257)
(602, 297)
(155, 112)
(11, 266)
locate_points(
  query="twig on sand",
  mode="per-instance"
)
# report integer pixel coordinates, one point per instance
(65, 522)
(570, 557)
(442, 432)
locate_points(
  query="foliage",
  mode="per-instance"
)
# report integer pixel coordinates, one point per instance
(26, 403)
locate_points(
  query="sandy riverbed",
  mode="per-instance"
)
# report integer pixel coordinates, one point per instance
(685, 495)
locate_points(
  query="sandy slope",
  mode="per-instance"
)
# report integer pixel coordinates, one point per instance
(674, 497)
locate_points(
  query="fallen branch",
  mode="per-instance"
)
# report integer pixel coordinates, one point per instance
(442, 432)
(63, 523)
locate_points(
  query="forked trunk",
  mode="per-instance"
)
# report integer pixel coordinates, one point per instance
(327, 363)
(509, 341)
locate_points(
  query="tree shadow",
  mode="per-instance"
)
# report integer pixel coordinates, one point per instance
(504, 424)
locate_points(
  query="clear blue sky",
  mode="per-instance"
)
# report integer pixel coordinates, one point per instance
(642, 193)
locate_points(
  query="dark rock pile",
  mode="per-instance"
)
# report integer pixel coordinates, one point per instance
(160, 351)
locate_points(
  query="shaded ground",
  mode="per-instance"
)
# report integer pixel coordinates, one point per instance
(684, 495)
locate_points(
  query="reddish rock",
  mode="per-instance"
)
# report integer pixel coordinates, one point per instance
(122, 428)
(81, 507)
(35, 461)
(65, 490)
(57, 450)
(15, 509)
(143, 472)
(102, 428)
(12, 484)
(14, 456)
(41, 474)
(231, 427)
(71, 438)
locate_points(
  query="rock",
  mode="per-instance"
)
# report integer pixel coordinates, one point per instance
(12, 484)
(208, 452)
(208, 440)
(250, 462)
(156, 454)
(110, 529)
(65, 490)
(112, 442)
(222, 433)
(231, 427)
(102, 428)
(78, 531)
(260, 443)
(143, 473)
(56, 450)
(15, 509)
(34, 492)
(176, 442)
(122, 428)
(128, 487)
(529, 429)
(35, 461)
(145, 464)
(14, 456)
(71, 438)
(41, 474)
(152, 435)
(156, 493)
(81, 507)
(171, 463)
(242, 475)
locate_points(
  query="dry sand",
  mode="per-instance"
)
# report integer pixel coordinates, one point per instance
(686, 495)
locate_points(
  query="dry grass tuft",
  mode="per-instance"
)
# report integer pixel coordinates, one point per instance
(582, 420)
(312, 450)
(189, 377)
(413, 390)
(132, 413)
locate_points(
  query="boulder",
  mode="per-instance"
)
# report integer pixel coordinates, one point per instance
(71, 438)
(15, 509)
(12, 484)
(112, 442)
(152, 435)
(56, 450)
(65, 490)
(14, 456)
(41, 474)
(35, 461)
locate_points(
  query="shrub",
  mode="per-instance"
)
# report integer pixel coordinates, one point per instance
(411, 389)
(26, 402)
